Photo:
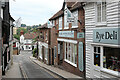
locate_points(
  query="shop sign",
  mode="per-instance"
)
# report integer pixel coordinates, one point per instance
(110, 36)
(80, 35)
(80, 56)
(69, 34)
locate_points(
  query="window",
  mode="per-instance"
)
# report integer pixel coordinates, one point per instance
(71, 53)
(101, 11)
(111, 58)
(75, 15)
(66, 24)
(46, 35)
(55, 51)
(97, 56)
(46, 52)
(60, 23)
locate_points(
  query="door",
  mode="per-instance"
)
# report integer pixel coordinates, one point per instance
(61, 52)
(97, 61)
(52, 56)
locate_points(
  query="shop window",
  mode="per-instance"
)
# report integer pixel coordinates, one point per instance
(97, 56)
(111, 58)
(71, 53)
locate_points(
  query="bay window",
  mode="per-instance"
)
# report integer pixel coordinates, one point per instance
(101, 11)
(71, 53)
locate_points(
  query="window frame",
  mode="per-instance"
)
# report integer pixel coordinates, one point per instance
(101, 23)
(66, 24)
(60, 22)
(70, 51)
(75, 15)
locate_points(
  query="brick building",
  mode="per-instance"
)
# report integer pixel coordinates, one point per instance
(70, 42)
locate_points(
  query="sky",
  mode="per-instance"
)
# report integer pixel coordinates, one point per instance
(34, 12)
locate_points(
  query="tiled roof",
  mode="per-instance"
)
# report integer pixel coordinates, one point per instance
(30, 35)
(71, 5)
(59, 13)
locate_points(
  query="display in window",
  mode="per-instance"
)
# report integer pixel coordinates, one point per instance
(112, 58)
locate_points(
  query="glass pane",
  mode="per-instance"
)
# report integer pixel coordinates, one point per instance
(94, 49)
(75, 54)
(97, 59)
(98, 49)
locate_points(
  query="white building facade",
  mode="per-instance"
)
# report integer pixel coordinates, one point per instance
(102, 26)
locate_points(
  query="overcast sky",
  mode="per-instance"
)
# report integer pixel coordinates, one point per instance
(34, 12)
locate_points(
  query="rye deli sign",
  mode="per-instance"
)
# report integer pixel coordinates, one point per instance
(107, 35)
(69, 34)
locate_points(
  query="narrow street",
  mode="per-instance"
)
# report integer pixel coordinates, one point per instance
(30, 69)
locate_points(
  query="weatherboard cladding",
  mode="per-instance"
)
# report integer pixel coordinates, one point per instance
(90, 22)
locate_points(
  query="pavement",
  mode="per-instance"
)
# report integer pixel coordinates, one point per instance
(55, 70)
(13, 72)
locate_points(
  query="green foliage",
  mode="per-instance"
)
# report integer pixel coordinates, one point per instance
(18, 30)
(16, 36)
(35, 52)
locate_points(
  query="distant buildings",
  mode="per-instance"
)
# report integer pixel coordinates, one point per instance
(26, 41)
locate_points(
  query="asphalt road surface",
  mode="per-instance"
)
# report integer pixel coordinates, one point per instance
(32, 70)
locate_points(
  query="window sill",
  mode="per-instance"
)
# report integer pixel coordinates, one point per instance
(111, 72)
(60, 29)
(66, 27)
(40, 57)
(99, 24)
(46, 59)
(74, 26)
(70, 62)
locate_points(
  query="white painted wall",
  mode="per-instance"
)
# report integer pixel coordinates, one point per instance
(113, 17)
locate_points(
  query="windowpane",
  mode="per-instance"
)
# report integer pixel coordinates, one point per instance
(75, 54)
(101, 11)
(97, 56)
(97, 59)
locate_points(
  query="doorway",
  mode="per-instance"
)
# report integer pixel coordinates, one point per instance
(52, 56)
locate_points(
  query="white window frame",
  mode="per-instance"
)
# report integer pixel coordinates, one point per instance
(46, 53)
(101, 23)
(102, 69)
(60, 23)
(75, 15)
(69, 60)
(66, 24)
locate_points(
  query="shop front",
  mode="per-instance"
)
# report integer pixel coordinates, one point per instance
(71, 51)
(106, 53)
